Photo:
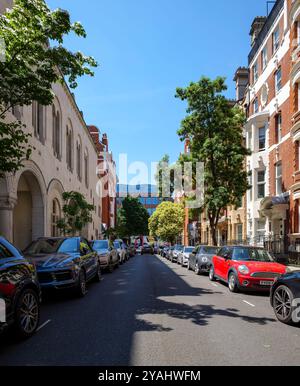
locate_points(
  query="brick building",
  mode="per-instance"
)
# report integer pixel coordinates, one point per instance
(108, 180)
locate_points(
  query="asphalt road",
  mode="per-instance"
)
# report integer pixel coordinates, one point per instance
(153, 312)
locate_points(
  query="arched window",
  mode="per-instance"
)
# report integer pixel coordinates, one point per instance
(39, 121)
(69, 147)
(78, 159)
(86, 169)
(56, 215)
(56, 132)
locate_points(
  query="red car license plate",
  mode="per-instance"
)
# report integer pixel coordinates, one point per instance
(266, 283)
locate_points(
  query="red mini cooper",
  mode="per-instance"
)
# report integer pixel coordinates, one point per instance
(245, 268)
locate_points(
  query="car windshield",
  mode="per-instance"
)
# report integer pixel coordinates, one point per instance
(116, 244)
(49, 246)
(252, 254)
(179, 248)
(209, 250)
(188, 249)
(101, 244)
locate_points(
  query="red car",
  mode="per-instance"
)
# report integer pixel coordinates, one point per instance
(245, 268)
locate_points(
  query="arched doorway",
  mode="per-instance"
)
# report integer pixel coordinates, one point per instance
(28, 216)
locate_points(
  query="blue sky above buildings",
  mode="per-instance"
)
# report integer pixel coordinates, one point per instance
(147, 48)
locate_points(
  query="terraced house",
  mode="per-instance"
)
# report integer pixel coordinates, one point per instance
(273, 128)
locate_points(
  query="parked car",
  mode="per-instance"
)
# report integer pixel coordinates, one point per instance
(20, 290)
(245, 268)
(164, 252)
(131, 250)
(183, 256)
(170, 253)
(284, 293)
(107, 255)
(139, 250)
(147, 249)
(201, 259)
(121, 251)
(64, 263)
(175, 252)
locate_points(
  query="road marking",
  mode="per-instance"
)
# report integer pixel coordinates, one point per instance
(43, 325)
(249, 304)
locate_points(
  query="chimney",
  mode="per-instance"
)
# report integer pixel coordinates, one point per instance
(256, 27)
(241, 79)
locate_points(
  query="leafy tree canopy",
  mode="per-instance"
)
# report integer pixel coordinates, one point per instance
(167, 221)
(35, 59)
(132, 218)
(214, 126)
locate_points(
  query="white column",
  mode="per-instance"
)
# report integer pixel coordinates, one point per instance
(7, 205)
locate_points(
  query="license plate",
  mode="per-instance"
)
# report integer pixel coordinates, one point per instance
(267, 283)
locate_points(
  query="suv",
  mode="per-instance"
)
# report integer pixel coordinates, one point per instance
(245, 268)
(20, 293)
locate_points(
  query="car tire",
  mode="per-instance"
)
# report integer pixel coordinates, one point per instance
(27, 301)
(110, 267)
(189, 266)
(211, 274)
(281, 297)
(98, 276)
(233, 283)
(81, 290)
(197, 269)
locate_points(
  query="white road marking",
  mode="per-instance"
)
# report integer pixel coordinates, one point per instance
(43, 325)
(249, 304)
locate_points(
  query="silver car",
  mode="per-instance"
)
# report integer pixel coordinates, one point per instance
(183, 256)
(108, 256)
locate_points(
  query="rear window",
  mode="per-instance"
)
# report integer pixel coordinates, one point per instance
(210, 250)
(101, 244)
(189, 249)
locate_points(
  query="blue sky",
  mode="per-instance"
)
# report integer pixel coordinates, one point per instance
(147, 48)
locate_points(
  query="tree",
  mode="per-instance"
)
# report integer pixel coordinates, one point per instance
(132, 218)
(167, 221)
(77, 213)
(35, 59)
(214, 127)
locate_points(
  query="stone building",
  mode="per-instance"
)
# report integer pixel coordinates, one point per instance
(64, 159)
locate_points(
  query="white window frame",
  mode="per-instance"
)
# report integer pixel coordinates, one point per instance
(255, 72)
(276, 43)
(279, 127)
(278, 81)
(264, 57)
(255, 106)
(265, 136)
(260, 183)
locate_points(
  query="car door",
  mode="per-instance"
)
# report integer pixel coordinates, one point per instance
(225, 263)
(193, 257)
(218, 262)
(89, 258)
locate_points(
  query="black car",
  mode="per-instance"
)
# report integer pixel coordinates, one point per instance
(63, 263)
(20, 293)
(200, 259)
(147, 250)
(285, 298)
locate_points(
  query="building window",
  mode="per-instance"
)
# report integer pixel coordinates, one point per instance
(86, 170)
(264, 58)
(56, 215)
(255, 106)
(239, 232)
(56, 133)
(250, 182)
(255, 72)
(78, 158)
(260, 229)
(276, 37)
(278, 77)
(38, 120)
(298, 154)
(298, 95)
(69, 148)
(261, 183)
(262, 139)
(278, 128)
(278, 178)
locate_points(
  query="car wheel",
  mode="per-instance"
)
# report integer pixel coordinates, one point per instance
(189, 266)
(212, 274)
(233, 283)
(110, 267)
(27, 314)
(197, 269)
(283, 304)
(81, 286)
(98, 276)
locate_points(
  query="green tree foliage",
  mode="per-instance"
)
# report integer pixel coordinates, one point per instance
(214, 127)
(132, 218)
(35, 59)
(77, 213)
(167, 221)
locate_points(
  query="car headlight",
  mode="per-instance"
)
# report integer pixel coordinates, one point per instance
(244, 270)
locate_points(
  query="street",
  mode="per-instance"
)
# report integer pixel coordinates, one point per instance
(153, 312)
